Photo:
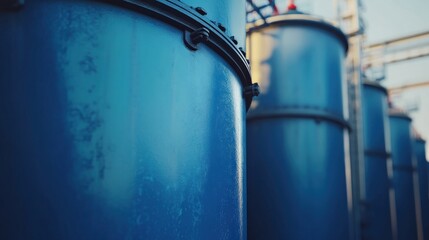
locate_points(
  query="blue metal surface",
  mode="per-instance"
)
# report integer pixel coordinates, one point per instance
(403, 170)
(422, 169)
(297, 137)
(377, 216)
(230, 14)
(112, 129)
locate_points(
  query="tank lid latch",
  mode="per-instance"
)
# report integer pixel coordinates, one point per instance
(252, 90)
(192, 39)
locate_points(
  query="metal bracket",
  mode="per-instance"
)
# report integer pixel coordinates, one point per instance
(192, 39)
(252, 90)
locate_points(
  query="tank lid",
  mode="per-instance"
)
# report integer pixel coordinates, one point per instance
(394, 112)
(294, 17)
(375, 84)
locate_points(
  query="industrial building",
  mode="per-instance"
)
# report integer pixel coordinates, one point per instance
(215, 119)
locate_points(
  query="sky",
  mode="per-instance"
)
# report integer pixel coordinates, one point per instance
(403, 18)
(384, 20)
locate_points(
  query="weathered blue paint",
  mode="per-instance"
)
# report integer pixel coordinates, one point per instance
(403, 170)
(377, 218)
(422, 169)
(112, 129)
(297, 138)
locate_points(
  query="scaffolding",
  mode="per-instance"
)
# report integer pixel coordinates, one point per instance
(350, 20)
(258, 8)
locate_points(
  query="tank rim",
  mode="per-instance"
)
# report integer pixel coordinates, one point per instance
(302, 19)
(375, 85)
(301, 113)
(193, 20)
(395, 114)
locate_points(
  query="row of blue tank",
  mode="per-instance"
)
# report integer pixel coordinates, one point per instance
(397, 200)
(300, 183)
(126, 119)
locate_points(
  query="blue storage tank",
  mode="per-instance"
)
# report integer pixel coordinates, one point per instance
(377, 221)
(403, 175)
(297, 133)
(123, 119)
(422, 169)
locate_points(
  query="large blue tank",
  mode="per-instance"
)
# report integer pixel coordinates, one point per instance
(297, 133)
(403, 175)
(123, 119)
(377, 220)
(422, 169)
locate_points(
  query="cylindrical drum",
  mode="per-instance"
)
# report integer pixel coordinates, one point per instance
(123, 119)
(422, 169)
(297, 134)
(377, 223)
(403, 175)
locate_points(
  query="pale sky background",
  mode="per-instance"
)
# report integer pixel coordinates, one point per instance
(384, 20)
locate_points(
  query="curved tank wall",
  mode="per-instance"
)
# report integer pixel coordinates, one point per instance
(227, 13)
(113, 129)
(403, 171)
(297, 136)
(377, 223)
(422, 169)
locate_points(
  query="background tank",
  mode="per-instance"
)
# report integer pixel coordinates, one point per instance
(297, 136)
(403, 171)
(114, 127)
(422, 169)
(378, 164)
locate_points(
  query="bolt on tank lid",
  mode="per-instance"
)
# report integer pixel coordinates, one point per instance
(291, 6)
